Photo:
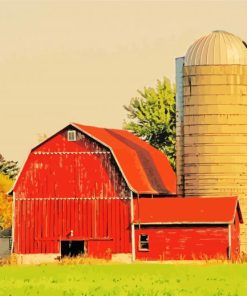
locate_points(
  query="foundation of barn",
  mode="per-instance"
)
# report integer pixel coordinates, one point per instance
(36, 258)
(122, 258)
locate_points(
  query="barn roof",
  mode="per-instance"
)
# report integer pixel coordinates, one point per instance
(145, 169)
(189, 210)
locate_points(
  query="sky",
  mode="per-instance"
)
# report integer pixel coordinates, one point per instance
(81, 61)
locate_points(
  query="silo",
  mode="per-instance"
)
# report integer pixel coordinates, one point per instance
(213, 137)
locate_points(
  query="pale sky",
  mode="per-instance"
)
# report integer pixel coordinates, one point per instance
(81, 61)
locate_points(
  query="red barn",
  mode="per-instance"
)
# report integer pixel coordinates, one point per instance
(106, 193)
(75, 192)
(187, 228)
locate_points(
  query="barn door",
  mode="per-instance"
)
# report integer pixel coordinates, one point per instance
(72, 248)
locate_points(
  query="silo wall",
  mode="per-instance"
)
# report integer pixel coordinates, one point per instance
(215, 134)
(179, 126)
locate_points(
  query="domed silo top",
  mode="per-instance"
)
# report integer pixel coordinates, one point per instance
(217, 48)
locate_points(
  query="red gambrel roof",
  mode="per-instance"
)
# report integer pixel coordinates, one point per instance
(145, 169)
(186, 210)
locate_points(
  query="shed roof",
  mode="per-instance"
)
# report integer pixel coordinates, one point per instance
(188, 210)
(145, 169)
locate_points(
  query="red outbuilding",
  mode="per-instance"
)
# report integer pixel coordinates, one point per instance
(187, 228)
(106, 193)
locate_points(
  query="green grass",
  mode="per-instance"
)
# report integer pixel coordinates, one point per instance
(133, 279)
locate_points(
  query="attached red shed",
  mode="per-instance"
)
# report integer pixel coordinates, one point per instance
(187, 228)
(75, 192)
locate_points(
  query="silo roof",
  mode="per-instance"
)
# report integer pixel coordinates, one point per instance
(217, 48)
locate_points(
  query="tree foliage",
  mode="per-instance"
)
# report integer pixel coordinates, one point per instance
(5, 202)
(8, 172)
(9, 168)
(152, 117)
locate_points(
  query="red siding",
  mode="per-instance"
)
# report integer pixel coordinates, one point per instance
(41, 224)
(184, 243)
(60, 168)
(77, 175)
(100, 249)
(68, 186)
(235, 240)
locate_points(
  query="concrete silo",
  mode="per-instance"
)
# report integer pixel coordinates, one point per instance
(212, 120)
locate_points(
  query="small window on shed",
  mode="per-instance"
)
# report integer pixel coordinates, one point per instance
(71, 135)
(143, 242)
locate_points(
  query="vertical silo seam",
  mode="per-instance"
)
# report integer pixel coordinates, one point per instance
(234, 50)
(193, 48)
(224, 51)
(198, 50)
(218, 54)
(209, 46)
(204, 51)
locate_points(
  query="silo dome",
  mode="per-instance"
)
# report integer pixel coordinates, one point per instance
(217, 48)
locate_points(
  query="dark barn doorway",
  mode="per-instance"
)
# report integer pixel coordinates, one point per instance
(72, 248)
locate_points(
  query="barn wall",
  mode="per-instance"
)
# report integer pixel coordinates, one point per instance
(43, 223)
(71, 175)
(60, 168)
(235, 238)
(68, 186)
(183, 242)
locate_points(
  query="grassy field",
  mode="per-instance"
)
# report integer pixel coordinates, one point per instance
(119, 279)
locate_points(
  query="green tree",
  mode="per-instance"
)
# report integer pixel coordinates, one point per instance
(9, 168)
(5, 202)
(152, 117)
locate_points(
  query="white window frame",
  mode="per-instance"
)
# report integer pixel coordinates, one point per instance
(141, 242)
(71, 135)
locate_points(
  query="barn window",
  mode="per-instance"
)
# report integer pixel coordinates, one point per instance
(143, 242)
(71, 135)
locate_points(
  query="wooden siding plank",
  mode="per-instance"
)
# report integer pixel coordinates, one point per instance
(113, 224)
(109, 224)
(85, 218)
(80, 220)
(68, 220)
(31, 226)
(76, 221)
(105, 218)
(17, 227)
(23, 227)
